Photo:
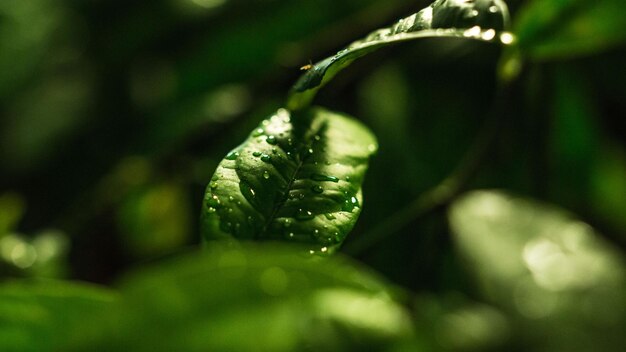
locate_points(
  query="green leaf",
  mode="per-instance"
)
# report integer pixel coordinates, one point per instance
(296, 178)
(253, 298)
(552, 29)
(43, 315)
(155, 219)
(479, 20)
(551, 270)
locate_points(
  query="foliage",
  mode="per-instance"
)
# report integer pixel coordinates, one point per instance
(481, 135)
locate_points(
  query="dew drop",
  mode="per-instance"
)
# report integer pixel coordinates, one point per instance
(317, 189)
(231, 198)
(266, 175)
(271, 140)
(473, 13)
(287, 223)
(258, 132)
(257, 154)
(488, 34)
(317, 138)
(232, 156)
(246, 190)
(266, 158)
(324, 178)
(350, 204)
(473, 32)
(304, 215)
(213, 201)
(329, 216)
(214, 185)
(507, 38)
(211, 210)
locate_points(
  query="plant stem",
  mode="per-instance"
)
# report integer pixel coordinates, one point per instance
(446, 191)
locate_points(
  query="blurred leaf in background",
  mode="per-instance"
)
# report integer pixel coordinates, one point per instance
(44, 315)
(563, 281)
(252, 298)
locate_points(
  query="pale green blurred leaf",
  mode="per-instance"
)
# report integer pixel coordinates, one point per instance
(549, 29)
(253, 298)
(43, 315)
(565, 283)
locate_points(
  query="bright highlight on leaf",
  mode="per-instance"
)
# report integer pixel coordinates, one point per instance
(297, 178)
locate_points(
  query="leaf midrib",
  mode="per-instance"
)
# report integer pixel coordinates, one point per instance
(290, 183)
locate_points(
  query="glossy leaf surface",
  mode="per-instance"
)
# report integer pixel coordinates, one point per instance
(560, 29)
(551, 270)
(42, 316)
(254, 298)
(296, 178)
(481, 20)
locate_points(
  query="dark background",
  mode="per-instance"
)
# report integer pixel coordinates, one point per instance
(114, 115)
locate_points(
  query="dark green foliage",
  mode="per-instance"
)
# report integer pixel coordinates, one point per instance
(116, 116)
(566, 29)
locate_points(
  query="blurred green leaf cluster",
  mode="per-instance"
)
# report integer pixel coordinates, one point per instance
(115, 114)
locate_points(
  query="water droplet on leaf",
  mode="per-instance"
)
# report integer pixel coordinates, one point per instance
(317, 189)
(271, 140)
(232, 156)
(324, 178)
(304, 215)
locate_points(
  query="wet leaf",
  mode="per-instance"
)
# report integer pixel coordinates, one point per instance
(297, 177)
(254, 298)
(549, 29)
(481, 20)
(43, 315)
(554, 272)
